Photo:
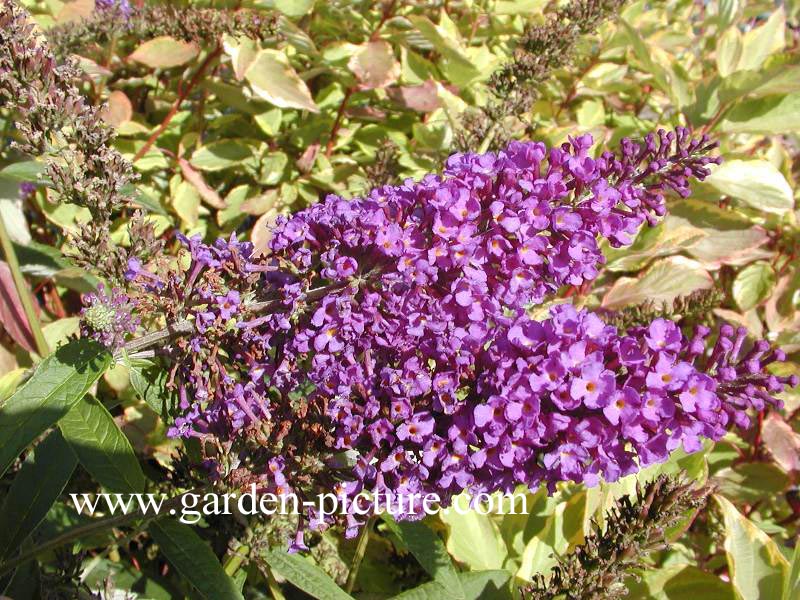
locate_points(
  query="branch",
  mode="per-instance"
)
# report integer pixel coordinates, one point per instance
(186, 327)
(182, 95)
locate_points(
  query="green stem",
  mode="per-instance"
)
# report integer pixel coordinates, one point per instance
(235, 560)
(82, 531)
(272, 583)
(22, 291)
(361, 549)
(490, 135)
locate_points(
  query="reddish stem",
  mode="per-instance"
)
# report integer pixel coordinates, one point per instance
(182, 95)
(338, 122)
(388, 11)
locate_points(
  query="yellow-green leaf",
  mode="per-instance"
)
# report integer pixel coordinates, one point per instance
(756, 565)
(165, 52)
(756, 182)
(664, 281)
(759, 43)
(753, 284)
(474, 538)
(275, 80)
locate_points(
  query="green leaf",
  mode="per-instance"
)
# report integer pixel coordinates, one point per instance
(670, 236)
(539, 554)
(38, 484)
(486, 585)
(791, 591)
(776, 80)
(755, 563)
(771, 115)
(220, 155)
(150, 382)
(294, 8)
(275, 80)
(165, 52)
(761, 42)
(193, 559)
(477, 585)
(553, 529)
(58, 383)
(101, 447)
(186, 203)
(474, 539)
(727, 11)
(665, 280)
(456, 63)
(305, 575)
(748, 482)
(756, 182)
(269, 121)
(25, 171)
(729, 51)
(429, 550)
(26, 583)
(518, 7)
(433, 590)
(45, 262)
(59, 332)
(680, 582)
(9, 382)
(753, 284)
(645, 56)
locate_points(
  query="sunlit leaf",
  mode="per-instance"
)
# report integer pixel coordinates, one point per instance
(782, 441)
(664, 281)
(753, 284)
(220, 155)
(165, 52)
(756, 182)
(473, 538)
(374, 64)
(756, 565)
(770, 115)
(760, 42)
(273, 79)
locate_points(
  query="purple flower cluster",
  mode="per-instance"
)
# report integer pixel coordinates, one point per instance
(122, 7)
(383, 343)
(26, 189)
(569, 398)
(106, 317)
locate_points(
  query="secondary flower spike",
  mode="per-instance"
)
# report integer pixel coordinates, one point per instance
(383, 343)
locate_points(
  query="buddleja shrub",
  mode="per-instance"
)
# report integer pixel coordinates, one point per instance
(411, 340)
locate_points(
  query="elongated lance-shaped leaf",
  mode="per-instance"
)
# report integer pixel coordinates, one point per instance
(193, 559)
(58, 383)
(34, 490)
(305, 575)
(429, 550)
(101, 447)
